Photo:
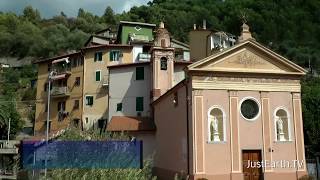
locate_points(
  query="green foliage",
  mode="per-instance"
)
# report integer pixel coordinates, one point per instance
(8, 111)
(289, 28)
(311, 113)
(112, 174)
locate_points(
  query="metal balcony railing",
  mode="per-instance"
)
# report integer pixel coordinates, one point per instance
(60, 91)
(144, 57)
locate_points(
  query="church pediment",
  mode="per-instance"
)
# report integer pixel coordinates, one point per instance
(250, 57)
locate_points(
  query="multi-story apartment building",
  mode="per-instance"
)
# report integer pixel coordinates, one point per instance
(80, 81)
(66, 92)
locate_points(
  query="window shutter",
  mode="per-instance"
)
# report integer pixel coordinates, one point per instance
(119, 107)
(139, 73)
(98, 75)
(139, 104)
(100, 56)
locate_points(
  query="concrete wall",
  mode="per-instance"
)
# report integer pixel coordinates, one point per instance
(124, 88)
(179, 74)
(171, 136)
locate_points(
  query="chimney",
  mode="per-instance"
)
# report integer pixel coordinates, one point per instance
(204, 24)
(245, 33)
(161, 25)
(194, 26)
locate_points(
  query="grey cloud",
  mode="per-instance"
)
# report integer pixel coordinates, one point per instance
(49, 8)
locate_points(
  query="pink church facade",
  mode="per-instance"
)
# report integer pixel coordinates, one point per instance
(236, 109)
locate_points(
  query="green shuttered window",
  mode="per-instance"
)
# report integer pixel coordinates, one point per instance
(139, 103)
(139, 73)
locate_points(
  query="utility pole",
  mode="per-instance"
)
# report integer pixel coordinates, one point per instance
(48, 119)
(9, 130)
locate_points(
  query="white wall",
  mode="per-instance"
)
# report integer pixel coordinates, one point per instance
(136, 50)
(179, 74)
(125, 88)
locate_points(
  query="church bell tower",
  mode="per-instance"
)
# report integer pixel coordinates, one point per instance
(162, 63)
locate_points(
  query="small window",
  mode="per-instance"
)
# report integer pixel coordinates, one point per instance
(98, 75)
(45, 125)
(98, 56)
(139, 73)
(77, 82)
(49, 67)
(87, 120)
(89, 100)
(46, 107)
(76, 104)
(119, 107)
(61, 106)
(175, 99)
(115, 55)
(163, 63)
(76, 122)
(139, 104)
(45, 87)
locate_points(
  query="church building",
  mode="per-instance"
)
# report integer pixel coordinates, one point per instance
(236, 115)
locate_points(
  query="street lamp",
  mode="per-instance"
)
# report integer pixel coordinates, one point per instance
(51, 74)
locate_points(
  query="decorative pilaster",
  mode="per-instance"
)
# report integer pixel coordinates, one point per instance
(234, 132)
(266, 128)
(298, 130)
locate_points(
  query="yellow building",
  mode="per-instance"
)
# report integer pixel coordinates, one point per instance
(95, 85)
(66, 92)
(79, 90)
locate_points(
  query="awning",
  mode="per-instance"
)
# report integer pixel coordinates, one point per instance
(61, 76)
(61, 60)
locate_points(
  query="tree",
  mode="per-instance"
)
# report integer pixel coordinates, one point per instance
(108, 16)
(32, 15)
(311, 113)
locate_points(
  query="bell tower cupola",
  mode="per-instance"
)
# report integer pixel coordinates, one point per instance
(162, 62)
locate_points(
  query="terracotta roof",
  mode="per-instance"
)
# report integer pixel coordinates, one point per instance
(129, 123)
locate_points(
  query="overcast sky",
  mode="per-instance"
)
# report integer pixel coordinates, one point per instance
(49, 8)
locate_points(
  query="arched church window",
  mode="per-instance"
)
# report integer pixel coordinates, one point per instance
(216, 125)
(163, 63)
(282, 125)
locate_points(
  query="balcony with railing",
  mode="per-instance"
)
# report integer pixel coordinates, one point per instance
(8, 150)
(144, 57)
(60, 91)
(61, 68)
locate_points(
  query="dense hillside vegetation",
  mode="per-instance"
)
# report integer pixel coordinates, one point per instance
(288, 27)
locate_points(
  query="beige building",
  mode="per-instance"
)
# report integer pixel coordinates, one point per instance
(239, 106)
(66, 92)
(96, 80)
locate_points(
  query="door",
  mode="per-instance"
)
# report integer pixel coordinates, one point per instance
(252, 169)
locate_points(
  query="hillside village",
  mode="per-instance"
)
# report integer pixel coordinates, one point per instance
(202, 109)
